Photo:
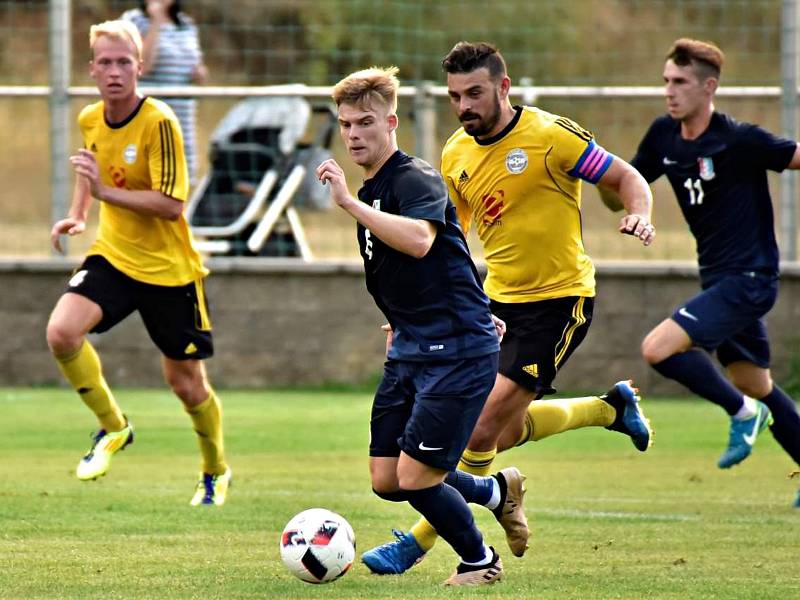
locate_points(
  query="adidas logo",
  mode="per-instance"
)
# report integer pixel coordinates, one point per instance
(532, 370)
(190, 349)
(463, 178)
(94, 147)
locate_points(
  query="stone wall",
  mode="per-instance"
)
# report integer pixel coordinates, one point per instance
(278, 322)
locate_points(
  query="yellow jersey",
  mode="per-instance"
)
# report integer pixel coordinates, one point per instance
(522, 189)
(143, 152)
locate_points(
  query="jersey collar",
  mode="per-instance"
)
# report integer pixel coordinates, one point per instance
(127, 119)
(506, 130)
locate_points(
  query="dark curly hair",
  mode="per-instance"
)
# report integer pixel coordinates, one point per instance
(466, 57)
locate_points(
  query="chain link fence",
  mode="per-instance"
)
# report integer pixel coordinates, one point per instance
(570, 44)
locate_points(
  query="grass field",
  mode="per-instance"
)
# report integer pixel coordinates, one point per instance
(607, 521)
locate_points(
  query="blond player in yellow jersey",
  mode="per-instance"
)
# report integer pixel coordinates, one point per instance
(516, 173)
(143, 259)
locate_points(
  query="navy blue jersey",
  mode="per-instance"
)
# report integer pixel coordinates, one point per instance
(435, 304)
(720, 180)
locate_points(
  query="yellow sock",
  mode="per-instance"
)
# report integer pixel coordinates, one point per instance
(477, 463)
(425, 534)
(84, 372)
(207, 420)
(549, 417)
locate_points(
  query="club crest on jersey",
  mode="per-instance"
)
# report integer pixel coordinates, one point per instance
(706, 168)
(129, 155)
(376, 204)
(516, 161)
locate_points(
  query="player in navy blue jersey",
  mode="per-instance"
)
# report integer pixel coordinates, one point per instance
(718, 170)
(443, 352)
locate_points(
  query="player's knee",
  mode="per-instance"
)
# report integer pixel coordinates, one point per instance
(62, 339)
(652, 351)
(189, 387)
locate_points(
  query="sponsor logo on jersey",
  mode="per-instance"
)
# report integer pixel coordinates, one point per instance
(463, 178)
(94, 147)
(117, 176)
(706, 168)
(129, 155)
(494, 204)
(516, 161)
(376, 204)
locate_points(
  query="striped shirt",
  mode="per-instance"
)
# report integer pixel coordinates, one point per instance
(178, 55)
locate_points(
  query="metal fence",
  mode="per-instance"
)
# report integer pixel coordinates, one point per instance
(597, 61)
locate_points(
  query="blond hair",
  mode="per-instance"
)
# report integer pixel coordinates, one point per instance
(363, 88)
(117, 30)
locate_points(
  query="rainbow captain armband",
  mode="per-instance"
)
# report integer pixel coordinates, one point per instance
(594, 161)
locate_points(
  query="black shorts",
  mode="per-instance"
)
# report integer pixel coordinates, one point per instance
(540, 337)
(429, 409)
(176, 318)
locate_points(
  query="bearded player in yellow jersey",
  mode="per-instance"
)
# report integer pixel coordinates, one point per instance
(143, 259)
(516, 173)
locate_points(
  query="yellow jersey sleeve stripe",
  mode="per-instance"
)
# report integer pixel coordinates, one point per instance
(566, 339)
(573, 127)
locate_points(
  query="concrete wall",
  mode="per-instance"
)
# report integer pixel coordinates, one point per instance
(281, 323)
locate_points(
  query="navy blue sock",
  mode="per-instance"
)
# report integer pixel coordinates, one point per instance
(695, 370)
(474, 488)
(786, 428)
(447, 511)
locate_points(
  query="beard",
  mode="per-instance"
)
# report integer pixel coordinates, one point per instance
(478, 126)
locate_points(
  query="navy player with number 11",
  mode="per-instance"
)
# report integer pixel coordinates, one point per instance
(717, 168)
(443, 349)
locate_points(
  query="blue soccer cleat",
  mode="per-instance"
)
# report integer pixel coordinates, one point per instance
(630, 418)
(394, 558)
(743, 435)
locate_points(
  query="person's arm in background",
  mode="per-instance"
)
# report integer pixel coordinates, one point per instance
(158, 15)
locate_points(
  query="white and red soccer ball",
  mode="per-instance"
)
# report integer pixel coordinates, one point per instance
(318, 545)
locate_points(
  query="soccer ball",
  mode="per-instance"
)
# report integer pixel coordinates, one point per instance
(318, 545)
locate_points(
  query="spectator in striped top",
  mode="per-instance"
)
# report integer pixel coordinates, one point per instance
(172, 56)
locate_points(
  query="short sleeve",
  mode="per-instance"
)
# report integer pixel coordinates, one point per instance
(767, 150)
(577, 152)
(422, 194)
(168, 171)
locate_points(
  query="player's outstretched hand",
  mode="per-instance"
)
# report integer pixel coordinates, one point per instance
(638, 226)
(69, 226)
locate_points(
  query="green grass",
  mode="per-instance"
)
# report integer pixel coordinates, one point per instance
(607, 521)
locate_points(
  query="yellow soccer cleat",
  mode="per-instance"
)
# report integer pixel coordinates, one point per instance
(212, 489)
(105, 444)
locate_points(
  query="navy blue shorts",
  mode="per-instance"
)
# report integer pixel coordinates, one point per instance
(429, 409)
(728, 317)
